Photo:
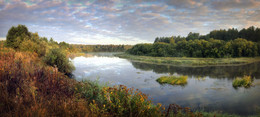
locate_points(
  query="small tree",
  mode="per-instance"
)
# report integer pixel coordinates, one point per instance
(16, 35)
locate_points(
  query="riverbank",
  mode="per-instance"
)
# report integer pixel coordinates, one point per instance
(184, 61)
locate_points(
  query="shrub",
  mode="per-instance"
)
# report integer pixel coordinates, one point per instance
(56, 57)
(29, 45)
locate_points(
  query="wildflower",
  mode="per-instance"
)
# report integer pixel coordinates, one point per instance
(104, 105)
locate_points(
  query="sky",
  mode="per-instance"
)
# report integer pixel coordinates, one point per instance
(125, 21)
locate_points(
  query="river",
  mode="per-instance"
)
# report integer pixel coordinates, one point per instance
(208, 88)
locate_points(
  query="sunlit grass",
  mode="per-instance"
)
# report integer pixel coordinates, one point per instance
(246, 82)
(173, 80)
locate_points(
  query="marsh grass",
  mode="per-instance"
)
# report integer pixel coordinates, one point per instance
(173, 80)
(185, 61)
(246, 82)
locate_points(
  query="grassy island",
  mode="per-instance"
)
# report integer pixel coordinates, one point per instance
(173, 80)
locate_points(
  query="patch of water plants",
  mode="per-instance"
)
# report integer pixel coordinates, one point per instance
(173, 80)
(245, 81)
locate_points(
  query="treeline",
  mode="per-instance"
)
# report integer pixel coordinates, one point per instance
(250, 34)
(216, 44)
(51, 52)
(100, 48)
(199, 48)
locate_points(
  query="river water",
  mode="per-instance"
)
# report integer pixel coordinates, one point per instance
(208, 88)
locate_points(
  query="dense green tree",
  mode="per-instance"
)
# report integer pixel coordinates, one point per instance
(192, 36)
(16, 35)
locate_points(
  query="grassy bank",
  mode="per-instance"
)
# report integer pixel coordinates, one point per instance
(183, 61)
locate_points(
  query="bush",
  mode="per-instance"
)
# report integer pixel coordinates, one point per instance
(57, 58)
(29, 45)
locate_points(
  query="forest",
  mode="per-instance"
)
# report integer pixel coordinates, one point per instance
(216, 44)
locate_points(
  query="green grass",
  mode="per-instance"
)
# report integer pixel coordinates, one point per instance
(173, 80)
(246, 82)
(185, 61)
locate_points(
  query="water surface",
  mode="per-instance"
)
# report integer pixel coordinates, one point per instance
(208, 88)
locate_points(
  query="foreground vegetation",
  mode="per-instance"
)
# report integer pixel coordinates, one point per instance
(246, 82)
(173, 80)
(184, 61)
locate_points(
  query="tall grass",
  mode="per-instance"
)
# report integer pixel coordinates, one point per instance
(246, 82)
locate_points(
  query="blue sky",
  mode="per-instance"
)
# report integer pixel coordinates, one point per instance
(125, 21)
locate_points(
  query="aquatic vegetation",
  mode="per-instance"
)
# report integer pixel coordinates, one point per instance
(199, 78)
(246, 82)
(173, 80)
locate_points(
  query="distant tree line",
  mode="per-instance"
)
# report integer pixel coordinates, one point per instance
(216, 44)
(100, 48)
(250, 34)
